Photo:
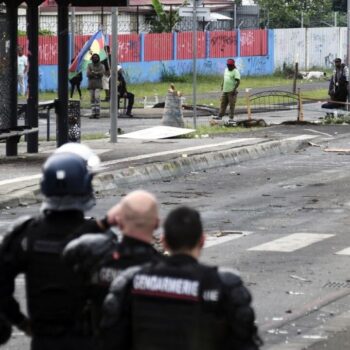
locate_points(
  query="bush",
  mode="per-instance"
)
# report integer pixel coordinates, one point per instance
(169, 76)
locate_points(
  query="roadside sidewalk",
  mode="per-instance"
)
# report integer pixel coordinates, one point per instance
(132, 161)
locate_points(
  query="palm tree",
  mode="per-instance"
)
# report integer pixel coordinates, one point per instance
(163, 22)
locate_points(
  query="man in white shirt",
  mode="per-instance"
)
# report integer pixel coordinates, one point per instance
(22, 69)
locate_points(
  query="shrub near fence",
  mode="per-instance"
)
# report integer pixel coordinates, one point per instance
(167, 46)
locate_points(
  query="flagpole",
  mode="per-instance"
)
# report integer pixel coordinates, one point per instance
(114, 95)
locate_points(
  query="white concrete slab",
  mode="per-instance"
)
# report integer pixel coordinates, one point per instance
(292, 242)
(157, 132)
(345, 251)
(211, 241)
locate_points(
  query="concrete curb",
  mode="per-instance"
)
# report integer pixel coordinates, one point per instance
(186, 164)
(158, 170)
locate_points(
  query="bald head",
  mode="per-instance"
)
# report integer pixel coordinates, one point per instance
(136, 215)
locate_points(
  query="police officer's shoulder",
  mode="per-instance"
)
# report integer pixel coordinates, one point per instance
(229, 277)
(89, 242)
(16, 229)
(20, 223)
(85, 249)
(124, 278)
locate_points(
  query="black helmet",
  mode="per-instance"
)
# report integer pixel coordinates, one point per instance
(67, 183)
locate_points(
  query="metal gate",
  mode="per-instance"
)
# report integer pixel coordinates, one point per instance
(5, 72)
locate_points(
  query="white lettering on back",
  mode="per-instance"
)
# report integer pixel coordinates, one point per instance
(169, 285)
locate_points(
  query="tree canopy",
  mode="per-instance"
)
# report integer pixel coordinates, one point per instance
(163, 21)
(297, 13)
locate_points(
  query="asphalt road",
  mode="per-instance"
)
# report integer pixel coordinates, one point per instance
(302, 198)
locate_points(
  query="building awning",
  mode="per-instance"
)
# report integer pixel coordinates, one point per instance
(214, 16)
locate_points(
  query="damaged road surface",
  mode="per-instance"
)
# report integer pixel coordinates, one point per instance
(283, 223)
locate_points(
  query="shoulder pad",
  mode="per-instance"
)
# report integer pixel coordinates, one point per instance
(229, 277)
(124, 278)
(15, 230)
(87, 249)
(19, 224)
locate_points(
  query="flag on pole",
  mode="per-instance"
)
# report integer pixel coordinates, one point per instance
(95, 44)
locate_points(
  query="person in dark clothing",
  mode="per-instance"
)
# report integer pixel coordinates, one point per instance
(94, 72)
(56, 303)
(106, 85)
(179, 303)
(338, 86)
(124, 93)
(75, 84)
(101, 259)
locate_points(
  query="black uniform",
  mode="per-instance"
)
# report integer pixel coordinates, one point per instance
(179, 303)
(123, 92)
(101, 259)
(55, 297)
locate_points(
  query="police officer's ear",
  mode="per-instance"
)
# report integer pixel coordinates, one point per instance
(157, 223)
(202, 240)
(164, 243)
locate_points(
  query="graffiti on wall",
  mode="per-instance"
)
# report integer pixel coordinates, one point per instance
(223, 44)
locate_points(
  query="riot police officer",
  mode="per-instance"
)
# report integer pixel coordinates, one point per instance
(179, 303)
(100, 259)
(33, 246)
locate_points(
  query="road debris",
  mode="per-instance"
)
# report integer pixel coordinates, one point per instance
(313, 144)
(315, 337)
(294, 293)
(337, 150)
(299, 278)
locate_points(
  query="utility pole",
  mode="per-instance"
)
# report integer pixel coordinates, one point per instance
(114, 63)
(348, 32)
(335, 19)
(72, 27)
(194, 63)
(235, 16)
(302, 20)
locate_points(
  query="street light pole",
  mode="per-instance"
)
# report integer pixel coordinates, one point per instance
(113, 77)
(348, 34)
(72, 28)
(194, 64)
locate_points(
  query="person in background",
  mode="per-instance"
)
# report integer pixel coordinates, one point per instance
(106, 77)
(338, 86)
(124, 93)
(94, 73)
(178, 303)
(232, 79)
(22, 70)
(75, 82)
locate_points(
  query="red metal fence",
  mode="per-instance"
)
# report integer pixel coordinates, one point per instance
(184, 48)
(223, 44)
(157, 47)
(253, 42)
(48, 48)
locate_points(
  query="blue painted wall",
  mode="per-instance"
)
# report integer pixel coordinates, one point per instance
(139, 72)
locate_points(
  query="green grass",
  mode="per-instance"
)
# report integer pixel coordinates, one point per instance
(320, 94)
(205, 84)
(203, 131)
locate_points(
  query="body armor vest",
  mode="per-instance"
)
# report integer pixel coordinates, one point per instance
(178, 307)
(55, 296)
